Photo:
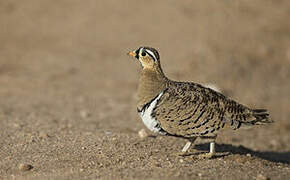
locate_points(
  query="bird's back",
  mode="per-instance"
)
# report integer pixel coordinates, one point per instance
(189, 109)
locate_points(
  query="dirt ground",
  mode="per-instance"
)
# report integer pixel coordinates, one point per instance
(68, 89)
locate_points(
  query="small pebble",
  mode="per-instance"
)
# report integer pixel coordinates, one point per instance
(107, 132)
(43, 135)
(84, 114)
(15, 125)
(177, 174)
(181, 160)
(249, 155)
(261, 177)
(199, 174)
(240, 160)
(32, 139)
(142, 133)
(25, 167)
(156, 164)
(274, 142)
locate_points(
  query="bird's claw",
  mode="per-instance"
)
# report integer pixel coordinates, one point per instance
(206, 155)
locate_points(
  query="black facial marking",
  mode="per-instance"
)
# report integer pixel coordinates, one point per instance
(155, 52)
(151, 56)
(145, 50)
(137, 53)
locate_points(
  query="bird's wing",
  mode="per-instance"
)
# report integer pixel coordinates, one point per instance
(189, 109)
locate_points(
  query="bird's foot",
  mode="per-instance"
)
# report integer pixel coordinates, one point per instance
(181, 153)
(206, 155)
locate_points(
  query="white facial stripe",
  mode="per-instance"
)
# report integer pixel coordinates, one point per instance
(151, 53)
(141, 50)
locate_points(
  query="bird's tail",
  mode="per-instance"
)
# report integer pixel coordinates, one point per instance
(256, 117)
(261, 117)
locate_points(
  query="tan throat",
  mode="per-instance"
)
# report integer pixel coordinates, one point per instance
(151, 83)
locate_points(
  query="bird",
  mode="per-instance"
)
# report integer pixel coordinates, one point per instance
(186, 109)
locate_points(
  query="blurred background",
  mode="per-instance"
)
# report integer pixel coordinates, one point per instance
(64, 69)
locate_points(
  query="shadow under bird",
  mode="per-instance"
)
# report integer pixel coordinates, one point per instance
(185, 109)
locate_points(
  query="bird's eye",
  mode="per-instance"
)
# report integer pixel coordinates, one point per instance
(143, 54)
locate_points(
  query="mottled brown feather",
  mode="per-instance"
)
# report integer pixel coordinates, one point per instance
(188, 109)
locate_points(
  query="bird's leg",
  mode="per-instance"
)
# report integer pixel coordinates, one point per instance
(211, 150)
(212, 147)
(186, 147)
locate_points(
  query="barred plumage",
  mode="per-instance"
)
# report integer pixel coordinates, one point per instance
(186, 109)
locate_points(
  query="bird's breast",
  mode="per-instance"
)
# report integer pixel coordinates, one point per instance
(146, 115)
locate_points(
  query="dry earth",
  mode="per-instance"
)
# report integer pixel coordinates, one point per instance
(68, 105)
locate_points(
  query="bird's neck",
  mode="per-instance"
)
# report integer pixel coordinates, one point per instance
(151, 83)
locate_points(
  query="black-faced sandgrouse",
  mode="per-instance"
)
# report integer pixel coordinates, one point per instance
(186, 109)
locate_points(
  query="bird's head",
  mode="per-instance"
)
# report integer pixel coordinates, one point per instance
(147, 56)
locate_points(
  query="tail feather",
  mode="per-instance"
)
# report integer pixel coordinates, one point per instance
(257, 117)
(260, 110)
(261, 116)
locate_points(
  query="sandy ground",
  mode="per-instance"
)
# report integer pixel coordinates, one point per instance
(68, 90)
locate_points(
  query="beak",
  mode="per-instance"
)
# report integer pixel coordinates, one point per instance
(132, 53)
